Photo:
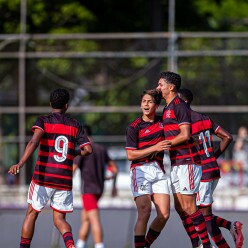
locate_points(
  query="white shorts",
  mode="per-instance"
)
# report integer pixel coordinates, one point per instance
(185, 179)
(60, 200)
(205, 194)
(149, 179)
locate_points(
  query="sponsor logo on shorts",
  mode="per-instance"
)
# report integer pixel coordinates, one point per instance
(185, 189)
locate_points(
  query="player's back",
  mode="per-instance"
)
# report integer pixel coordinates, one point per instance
(57, 149)
(93, 168)
(203, 128)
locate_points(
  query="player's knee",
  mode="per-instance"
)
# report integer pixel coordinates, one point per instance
(189, 209)
(163, 217)
(144, 211)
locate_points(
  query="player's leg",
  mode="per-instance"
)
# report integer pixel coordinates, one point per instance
(204, 202)
(189, 182)
(213, 230)
(186, 220)
(28, 227)
(162, 205)
(161, 189)
(234, 227)
(64, 228)
(38, 196)
(96, 227)
(91, 217)
(59, 214)
(143, 204)
(141, 178)
(84, 230)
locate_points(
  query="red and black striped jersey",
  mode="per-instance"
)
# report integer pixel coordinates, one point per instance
(141, 134)
(175, 114)
(61, 134)
(204, 128)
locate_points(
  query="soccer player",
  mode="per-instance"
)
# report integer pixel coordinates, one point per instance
(93, 174)
(203, 129)
(145, 147)
(57, 135)
(185, 173)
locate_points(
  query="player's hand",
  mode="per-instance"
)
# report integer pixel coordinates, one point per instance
(14, 169)
(163, 145)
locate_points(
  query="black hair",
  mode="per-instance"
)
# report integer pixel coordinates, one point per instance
(186, 95)
(155, 94)
(87, 129)
(59, 98)
(172, 78)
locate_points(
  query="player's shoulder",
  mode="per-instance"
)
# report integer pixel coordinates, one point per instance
(72, 121)
(177, 102)
(135, 123)
(200, 115)
(44, 118)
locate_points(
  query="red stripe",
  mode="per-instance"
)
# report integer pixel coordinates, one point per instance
(54, 165)
(54, 185)
(37, 127)
(201, 126)
(134, 182)
(51, 154)
(61, 129)
(191, 176)
(171, 127)
(136, 122)
(211, 169)
(189, 145)
(131, 148)
(208, 161)
(184, 156)
(150, 143)
(51, 175)
(217, 129)
(177, 101)
(47, 142)
(32, 185)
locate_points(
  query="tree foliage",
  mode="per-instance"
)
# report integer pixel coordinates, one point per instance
(117, 82)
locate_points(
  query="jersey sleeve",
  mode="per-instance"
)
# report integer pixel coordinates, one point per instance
(131, 138)
(215, 126)
(39, 124)
(182, 113)
(82, 138)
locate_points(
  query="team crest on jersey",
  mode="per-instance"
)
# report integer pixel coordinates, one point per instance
(169, 114)
(161, 125)
(147, 131)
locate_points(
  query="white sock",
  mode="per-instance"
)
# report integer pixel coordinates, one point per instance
(80, 243)
(99, 245)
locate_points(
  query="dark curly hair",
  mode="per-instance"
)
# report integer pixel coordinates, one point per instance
(172, 78)
(59, 98)
(155, 94)
(186, 95)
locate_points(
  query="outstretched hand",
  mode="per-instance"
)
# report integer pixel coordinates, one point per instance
(14, 169)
